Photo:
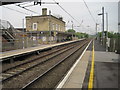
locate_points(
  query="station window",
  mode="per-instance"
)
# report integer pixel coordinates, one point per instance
(56, 27)
(59, 28)
(34, 26)
(53, 26)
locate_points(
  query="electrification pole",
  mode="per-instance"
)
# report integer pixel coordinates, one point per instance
(103, 25)
(50, 26)
(96, 30)
(72, 29)
(23, 35)
(106, 31)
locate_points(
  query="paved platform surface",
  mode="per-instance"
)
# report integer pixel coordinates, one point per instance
(76, 79)
(31, 49)
(106, 70)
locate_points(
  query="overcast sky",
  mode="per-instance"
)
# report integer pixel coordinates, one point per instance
(77, 9)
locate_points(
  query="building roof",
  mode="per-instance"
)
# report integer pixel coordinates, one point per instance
(46, 17)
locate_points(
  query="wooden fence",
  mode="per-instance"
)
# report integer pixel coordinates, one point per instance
(111, 44)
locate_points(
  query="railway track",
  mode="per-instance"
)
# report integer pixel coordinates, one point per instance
(7, 66)
(14, 71)
(36, 82)
(30, 66)
(42, 54)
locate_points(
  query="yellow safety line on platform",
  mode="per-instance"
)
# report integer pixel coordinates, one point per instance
(91, 78)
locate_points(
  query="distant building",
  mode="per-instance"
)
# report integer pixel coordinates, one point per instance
(44, 22)
(47, 28)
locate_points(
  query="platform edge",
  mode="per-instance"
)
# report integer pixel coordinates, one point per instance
(60, 85)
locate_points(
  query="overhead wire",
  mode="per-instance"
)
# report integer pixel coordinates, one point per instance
(15, 10)
(27, 9)
(19, 5)
(24, 7)
(89, 10)
(66, 11)
(23, 3)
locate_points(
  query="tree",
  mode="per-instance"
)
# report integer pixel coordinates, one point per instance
(110, 34)
(78, 34)
(86, 35)
(100, 34)
(71, 30)
(81, 35)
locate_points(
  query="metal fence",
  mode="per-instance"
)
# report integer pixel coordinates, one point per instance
(21, 41)
(12, 39)
(24, 40)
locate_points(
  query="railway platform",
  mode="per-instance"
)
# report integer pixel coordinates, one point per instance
(14, 53)
(96, 68)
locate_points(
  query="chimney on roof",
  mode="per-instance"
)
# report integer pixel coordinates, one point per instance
(44, 11)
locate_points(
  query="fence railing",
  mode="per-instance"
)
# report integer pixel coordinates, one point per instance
(7, 30)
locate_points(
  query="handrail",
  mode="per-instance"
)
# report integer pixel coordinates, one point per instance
(10, 35)
(8, 30)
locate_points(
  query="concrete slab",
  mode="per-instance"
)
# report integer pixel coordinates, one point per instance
(106, 74)
(101, 56)
(106, 69)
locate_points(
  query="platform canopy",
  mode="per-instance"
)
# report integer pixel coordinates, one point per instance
(5, 2)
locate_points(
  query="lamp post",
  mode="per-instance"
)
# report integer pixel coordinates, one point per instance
(50, 26)
(96, 29)
(23, 36)
(118, 51)
(72, 29)
(31, 27)
(119, 27)
(88, 30)
(102, 24)
(106, 31)
(103, 28)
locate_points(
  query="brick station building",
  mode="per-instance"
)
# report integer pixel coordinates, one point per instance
(47, 28)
